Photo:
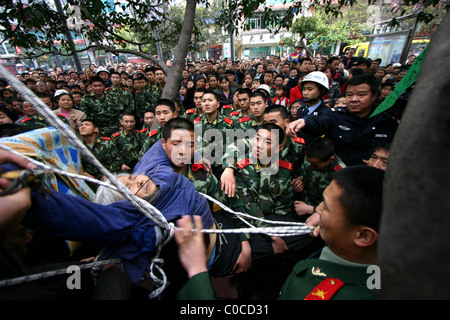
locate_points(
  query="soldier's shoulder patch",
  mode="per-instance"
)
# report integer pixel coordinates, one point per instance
(107, 88)
(234, 113)
(106, 138)
(299, 140)
(285, 164)
(197, 120)
(143, 130)
(244, 119)
(116, 134)
(325, 290)
(337, 168)
(153, 132)
(196, 166)
(188, 111)
(243, 163)
(26, 119)
(229, 121)
(227, 106)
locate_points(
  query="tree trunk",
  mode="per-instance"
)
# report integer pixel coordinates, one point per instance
(414, 232)
(181, 50)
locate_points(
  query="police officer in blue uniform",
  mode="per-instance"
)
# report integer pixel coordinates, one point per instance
(352, 129)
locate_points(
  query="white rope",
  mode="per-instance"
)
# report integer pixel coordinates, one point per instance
(297, 228)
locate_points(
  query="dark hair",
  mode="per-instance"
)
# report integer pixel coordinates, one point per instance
(174, 124)
(8, 113)
(91, 121)
(320, 148)
(96, 79)
(303, 60)
(246, 91)
(216, 96)
(200, 90)
(273, 126)
(332, 59)
(11, 129)
(259, 93)
(362, 194)
(364, 78)
(277, 108)
(149, 110)
(166, 102)
(384, 146)
(129, 114)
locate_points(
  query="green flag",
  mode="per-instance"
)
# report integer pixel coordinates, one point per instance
(408, 80)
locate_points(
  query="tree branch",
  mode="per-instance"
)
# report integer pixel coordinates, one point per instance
(159, 62)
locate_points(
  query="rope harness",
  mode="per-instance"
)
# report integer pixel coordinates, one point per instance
(287, 228)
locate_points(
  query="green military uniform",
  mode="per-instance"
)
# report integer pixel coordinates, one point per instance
(294, 152)
(125, 148)
(37, 122)
(209, 148)
(122, 96)
(101, 149)
(226, 110)
(328, 277)
(150, 140)
(190, 114)
(262, 192)
(105, 111)
(146, 98)
(206, 184)
(234, 150)
(315, 181)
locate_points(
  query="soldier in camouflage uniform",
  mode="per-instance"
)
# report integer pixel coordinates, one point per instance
(119, 93)
(146, 98)
(265, 191)
(212, 147)
(194, 113)
(102, 107)
(149, 118)
(164, 111)
(37, 122)
(293, 148)
(99, 146)
(317, 172)
(126, 144)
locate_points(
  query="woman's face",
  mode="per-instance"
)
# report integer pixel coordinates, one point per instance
(201, 83)
(139, 185)
(248, 81)
(224, 84)
(213, 82)
(65, 102)
(182, 91)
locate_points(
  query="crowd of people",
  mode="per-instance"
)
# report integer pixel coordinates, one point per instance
(312, 154)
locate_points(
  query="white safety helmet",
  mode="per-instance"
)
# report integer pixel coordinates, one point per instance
(264, 87)
(102, 70)
(318, 77)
